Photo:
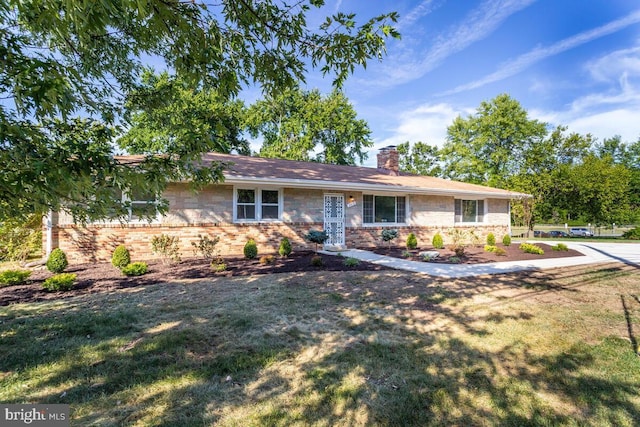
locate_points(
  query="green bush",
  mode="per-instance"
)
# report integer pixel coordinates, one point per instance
(167, 247)
(317, 261)
(490, 248)
(267, 259)
(57, 261)
(285, 247)
(60, 282)
(560, 247)
(633, 234)
(250, 249)
(351, 262)
(455, 259)
(19, 239)
(317, 237)
(218, 265)
(407, 254)
(506, 240)
(412, 241)
(531, 249)
(135, 269)
(499, 251)
(205, 246)
(120, 257)
(389, 235)
(491, 239)
(437, 241)
(14, 277)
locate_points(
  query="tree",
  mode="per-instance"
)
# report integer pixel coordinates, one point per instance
(419, 158)
(304, 125)
(166, 115)
(60, 59)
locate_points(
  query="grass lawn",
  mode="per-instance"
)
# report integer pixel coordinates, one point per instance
(335, 348)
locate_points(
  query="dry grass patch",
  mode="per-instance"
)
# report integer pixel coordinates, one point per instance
(354, 348)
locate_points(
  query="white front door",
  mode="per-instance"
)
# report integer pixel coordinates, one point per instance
(334, 219)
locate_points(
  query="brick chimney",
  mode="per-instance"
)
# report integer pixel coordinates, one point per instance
(388, 159)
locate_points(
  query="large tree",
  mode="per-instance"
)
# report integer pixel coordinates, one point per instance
(419, 158)
(64, 58)
(305, 125)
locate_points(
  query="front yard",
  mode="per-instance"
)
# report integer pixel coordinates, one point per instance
(553, 347)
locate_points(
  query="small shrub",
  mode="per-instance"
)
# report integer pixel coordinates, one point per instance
(633, 234)
(506, 240)
(317, 261)
(218, 265)
(317, 237)
(120, 257)
(458, 250)
(60, 282)
(167, 247)
(14, 277)
(560, 247)
(455, 259)
(285, 247)
(412, 241)
(250, 249)
(491, 239)
(427, 258)
(500, 251)
(20, 239)
(205, 246)
(531, 249)
(437, 241)
(267, 259)
(57, 261)
(135, 269)
(351, 262)
(389, 235)
(490, 248)
(406, 254)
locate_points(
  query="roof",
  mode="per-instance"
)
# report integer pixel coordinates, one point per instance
(248, 170)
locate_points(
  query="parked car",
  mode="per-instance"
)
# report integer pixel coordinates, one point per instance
(580, 232)
(558, 233)
(539, 233)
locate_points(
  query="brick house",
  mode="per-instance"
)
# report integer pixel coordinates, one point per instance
(267, 199)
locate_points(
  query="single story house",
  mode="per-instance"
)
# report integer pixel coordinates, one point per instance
(267, 199)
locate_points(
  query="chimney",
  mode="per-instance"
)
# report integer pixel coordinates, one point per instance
(388, 159)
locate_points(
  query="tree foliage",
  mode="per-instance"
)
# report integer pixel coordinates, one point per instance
(419, 158)
(304, 125)
(60, 60)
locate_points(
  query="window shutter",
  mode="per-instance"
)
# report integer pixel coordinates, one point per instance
(367, 209)
(480, 214)
(458, 210)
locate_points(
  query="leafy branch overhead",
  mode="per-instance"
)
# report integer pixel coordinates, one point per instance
(64, 59)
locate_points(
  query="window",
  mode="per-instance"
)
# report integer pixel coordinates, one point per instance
(469, 210)
(142, 205)
(383, 209)
(257, 204)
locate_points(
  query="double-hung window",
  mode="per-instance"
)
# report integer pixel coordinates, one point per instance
(383, 209)
(253, 204)
(470, 211)
(139, 206)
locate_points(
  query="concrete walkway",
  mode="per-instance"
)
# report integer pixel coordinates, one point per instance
(628, 253)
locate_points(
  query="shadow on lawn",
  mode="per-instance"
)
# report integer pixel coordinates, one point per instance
(384, 356)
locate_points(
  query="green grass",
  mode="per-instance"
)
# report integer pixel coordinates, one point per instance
(385, 348)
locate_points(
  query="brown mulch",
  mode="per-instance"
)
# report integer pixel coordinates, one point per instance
(477, 254)
(103, 277)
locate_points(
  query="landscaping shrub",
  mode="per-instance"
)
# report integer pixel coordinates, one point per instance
(60, 282)
(135, 269)
(490, 248)
(205, 246)
(285, 247)
(167, 247)
(407, 254)
(351, 262)
(317, 237)
(458, 250)
(218, 266)
(267, 259)
(389, 235)
(412, 241)
(531, 249)
(499, 251)
(57, 261)
(633, 234)
(506, 240)
(20, 239)
(560, 247)
(14, 277)
(316, 261)
(437, 241)
(455, 259)
(120, 257)
(491, 239)
(250, 249)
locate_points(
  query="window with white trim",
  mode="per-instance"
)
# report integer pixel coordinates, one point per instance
(140, 206)
(469, 211)
(256, 204)
(383, 209)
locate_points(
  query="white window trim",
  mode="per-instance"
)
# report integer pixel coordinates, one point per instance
(485, 211)
(258, 205)
(129, 219)
(386, 224)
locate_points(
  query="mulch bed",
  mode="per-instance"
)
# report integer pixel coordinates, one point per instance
(103, 277)
(477, 254)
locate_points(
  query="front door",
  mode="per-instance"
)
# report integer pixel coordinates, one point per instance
(334, 219)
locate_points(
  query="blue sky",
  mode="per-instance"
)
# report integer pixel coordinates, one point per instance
(570, 62)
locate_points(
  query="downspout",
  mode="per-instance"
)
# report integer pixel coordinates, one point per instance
(48, 223)
(509, 229)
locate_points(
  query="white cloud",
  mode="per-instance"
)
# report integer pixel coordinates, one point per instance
(524, 61)
(612, 65)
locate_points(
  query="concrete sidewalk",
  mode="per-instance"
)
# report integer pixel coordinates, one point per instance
(592, 256)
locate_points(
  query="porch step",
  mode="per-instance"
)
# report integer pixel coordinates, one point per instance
(335, 248)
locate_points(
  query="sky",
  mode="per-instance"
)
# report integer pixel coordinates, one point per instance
(568, 62)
